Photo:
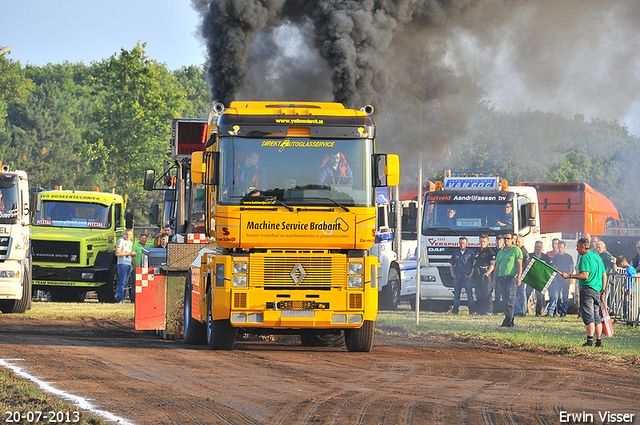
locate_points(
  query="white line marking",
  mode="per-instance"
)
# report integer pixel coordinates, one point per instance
(74, 399)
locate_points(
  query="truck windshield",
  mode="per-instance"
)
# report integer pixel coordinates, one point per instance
(296, 172)
(9, 201)
(473, 218)
(79, 215)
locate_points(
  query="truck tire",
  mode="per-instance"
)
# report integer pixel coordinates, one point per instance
(322, 340)
(107, 292)
(220, 334)
(24, 303)
(390, 294)
(360, 340)
(194, 331)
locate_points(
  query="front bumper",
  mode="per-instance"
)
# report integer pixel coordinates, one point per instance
(90, 277)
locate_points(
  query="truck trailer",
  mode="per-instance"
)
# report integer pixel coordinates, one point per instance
(573, 208)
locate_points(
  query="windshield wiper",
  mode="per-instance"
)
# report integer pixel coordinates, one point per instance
(332, 201)
(441, 230)
(279, 202)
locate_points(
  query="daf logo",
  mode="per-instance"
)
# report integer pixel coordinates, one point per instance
(436, 249)
(298, 273)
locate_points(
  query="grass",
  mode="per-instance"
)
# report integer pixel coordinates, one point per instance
(558, 334)
(90, 308)
(22, 397)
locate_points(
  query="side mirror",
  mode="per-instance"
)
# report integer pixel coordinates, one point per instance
(149, 179)
(128, 220)
(35, 201)
(392, 170)
(198, 167)
(386, 170)
(154, 213)
(531, 214)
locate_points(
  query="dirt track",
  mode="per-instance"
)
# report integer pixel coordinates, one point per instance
(403, 380)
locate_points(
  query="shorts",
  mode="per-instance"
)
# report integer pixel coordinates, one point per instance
(590, 305)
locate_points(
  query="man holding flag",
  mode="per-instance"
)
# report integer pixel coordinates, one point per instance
(593, 278)
(509, 265)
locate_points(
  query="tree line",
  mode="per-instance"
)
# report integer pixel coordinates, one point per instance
(101, 125)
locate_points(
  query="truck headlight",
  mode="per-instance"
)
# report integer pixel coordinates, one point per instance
(239, 281)
(9, 273)
(239, 268)
(355, 268)
(427, 278)
(355, 281)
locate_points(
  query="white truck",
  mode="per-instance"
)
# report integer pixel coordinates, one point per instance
(469, 204)
(395, 246)
(15, 258)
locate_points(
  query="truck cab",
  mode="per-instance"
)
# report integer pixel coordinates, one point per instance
(73, 239)
(15, 260)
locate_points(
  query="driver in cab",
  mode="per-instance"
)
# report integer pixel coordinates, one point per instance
(248, 177)
(335, 170)
(507, 219)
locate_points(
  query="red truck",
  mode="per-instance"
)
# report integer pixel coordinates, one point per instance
(573, 207)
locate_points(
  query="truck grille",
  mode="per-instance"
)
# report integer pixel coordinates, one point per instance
(4, 248)
(276, 269)
(55, 251)
(445, 275)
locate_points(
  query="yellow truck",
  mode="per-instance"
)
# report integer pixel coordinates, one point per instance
(73, 240)
(290, 208)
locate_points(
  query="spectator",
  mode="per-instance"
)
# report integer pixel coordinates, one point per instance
(636, 260)
(166, 230)
(554, 248)
(124, 253)
(521, 306)
(594, 242)
(137, 259)
(629, 272)
(592, 277)
(498, 304)
(537, 252)
(143, 242)
(462, 262)
(509, 265)
(609, 266)
(485, 263)
(164, 241)
(563, 262)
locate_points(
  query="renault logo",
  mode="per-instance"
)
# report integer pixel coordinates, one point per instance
(298, 273)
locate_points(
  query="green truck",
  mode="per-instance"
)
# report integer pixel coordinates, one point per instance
(73, 242)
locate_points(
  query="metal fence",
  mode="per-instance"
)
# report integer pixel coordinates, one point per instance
(623, 299)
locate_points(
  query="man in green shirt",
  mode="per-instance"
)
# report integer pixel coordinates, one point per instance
(593, 278)
(137, 248)
(509, 265)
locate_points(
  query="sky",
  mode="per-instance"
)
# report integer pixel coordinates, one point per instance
(589, 55)
(41, 32)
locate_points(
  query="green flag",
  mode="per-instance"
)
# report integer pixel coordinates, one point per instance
(538, 274)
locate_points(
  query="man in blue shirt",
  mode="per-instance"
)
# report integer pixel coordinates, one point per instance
(462, 262)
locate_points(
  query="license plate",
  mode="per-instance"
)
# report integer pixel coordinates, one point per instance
(297, 313)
